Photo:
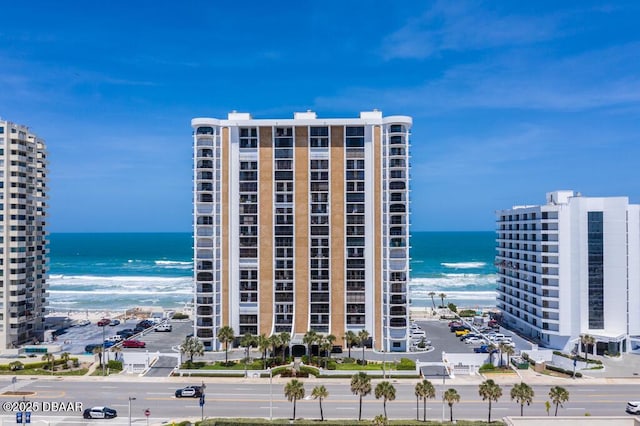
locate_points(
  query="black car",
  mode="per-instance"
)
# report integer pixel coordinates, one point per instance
(189, 391)
(146, 323)
(99, 413)
(126, 333)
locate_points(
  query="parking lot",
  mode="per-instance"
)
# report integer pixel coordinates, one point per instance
(76, 338)
(442, 339)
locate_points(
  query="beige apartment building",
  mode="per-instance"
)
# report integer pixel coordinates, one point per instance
(23, 238)
(302, 224)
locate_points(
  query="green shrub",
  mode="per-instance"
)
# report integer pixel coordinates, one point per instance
(332, 365)
(347, 360)
(563, 371)
(180, 316)
(487, 367)
(114, 365)
(406, 364)
(452, 307)
(467, 313)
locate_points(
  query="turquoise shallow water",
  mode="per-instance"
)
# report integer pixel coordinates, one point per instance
(94, 271)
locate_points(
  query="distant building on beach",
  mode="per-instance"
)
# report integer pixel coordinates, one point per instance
(23, 238)
(570, 268)
(302, 224)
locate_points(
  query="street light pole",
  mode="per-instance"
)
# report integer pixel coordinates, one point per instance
(444, 371)
(103, 350)
(131, 398)
(270, 394)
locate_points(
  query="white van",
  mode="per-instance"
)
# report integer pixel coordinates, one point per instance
(163, 327)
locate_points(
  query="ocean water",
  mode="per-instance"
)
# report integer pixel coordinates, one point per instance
(118, 271)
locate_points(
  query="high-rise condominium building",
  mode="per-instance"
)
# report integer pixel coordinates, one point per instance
(571, 268)
(23, 238)
(302, 224)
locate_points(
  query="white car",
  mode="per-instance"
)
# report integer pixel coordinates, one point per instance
(163, 327)
(633, 407)
(474, 341)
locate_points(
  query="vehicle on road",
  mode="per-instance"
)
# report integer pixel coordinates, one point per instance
(84, 322)
(133, 344)
(633, 407)
(100, 413)
(189, 391)
(114, 323)
(103, 322)
(163, 327)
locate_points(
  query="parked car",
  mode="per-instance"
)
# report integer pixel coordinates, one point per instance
(133, 344)
(100, 413)
(146, 323)
(103, 322)
(189, 391)
(468, 336)
(474, 340)
(84, 322)
(114, 323)
(108, 343)
(127, 332)
(484, 349)
(460, 333)
(90, 347)
(116, 338)
(163, 327)
(418, 334)
(633, 407)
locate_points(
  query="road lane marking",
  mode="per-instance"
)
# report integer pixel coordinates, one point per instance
(574, 408)
(345, 408)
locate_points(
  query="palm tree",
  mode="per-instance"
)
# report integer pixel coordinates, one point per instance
(263, 344)
(330, 338)
(116, 350)
(503, 347)
(98, 350)
(285, 338)
(451, 397)
(310, 337)
(325, 347)
(424, 390)
(225, 335)
(432, 294)
(442, 296)
(509, 350)
(523, 394)
(294, 390)
(363, 335)
(192, 346)
(320, 393)
(64, 357)
(49, 358)
(490, 390)
(387, 392)
(361, 386)
(587, 341)
(350, 339)
(274, 343)
(246, 342)
(558, 395)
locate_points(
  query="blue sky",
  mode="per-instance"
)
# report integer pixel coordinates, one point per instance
(510, 99)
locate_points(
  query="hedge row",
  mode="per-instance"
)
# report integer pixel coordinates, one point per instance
(578, 357)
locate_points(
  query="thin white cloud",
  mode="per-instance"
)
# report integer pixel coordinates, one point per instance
(595, 79)
(464, 25)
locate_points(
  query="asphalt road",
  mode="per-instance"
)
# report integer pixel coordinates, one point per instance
(252, 398)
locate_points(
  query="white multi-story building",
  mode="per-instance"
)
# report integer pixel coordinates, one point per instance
(23, 237)
(302, 224)
(571, 267)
